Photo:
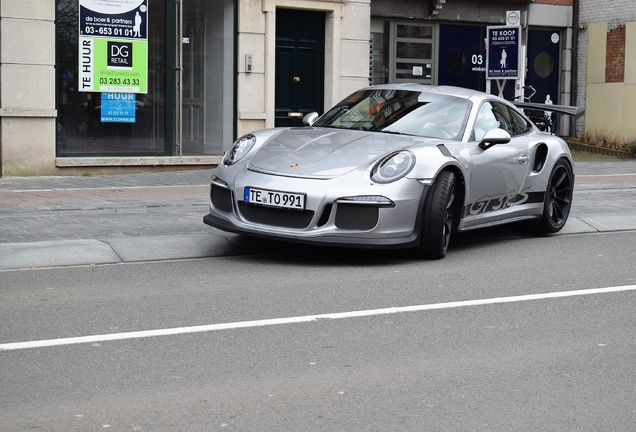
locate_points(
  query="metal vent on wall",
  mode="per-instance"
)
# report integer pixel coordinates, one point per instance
(437, 6)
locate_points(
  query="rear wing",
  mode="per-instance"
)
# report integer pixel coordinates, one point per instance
(573, 111)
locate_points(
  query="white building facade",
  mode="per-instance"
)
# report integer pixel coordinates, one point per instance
(217, 69)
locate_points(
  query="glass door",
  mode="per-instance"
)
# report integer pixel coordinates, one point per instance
(204, 114)
(413, 53)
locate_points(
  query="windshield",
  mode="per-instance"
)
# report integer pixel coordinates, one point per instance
(400, 112)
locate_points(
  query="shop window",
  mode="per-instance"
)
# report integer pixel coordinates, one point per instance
(86, 125)
(149, 120)
(455, 61)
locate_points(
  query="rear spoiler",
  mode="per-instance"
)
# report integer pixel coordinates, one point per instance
(573, 111)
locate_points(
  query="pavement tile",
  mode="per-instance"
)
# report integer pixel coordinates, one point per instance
(55, 253)
(166, 247)
(56, 220)
(611, 222)
(576, 225)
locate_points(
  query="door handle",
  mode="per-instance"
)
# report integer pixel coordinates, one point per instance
(523, 159)
(296, 79)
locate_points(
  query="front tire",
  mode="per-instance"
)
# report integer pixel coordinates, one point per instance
(558, 199)
(439, 217)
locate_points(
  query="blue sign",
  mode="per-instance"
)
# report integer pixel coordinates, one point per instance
(118, 107)
(504, 52)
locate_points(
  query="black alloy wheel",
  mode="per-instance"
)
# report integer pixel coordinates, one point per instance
(558, 200)
(439, 218)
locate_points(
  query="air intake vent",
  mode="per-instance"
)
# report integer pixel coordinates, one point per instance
(221, 198)
(324, 217)
(356, 216)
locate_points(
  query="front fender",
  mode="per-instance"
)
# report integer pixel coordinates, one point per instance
(432, 160)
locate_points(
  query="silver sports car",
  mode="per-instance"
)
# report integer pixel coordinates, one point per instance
(395, 166)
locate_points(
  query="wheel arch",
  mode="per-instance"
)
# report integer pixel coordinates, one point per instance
(460, 192)
(558, 198)
(569, 162)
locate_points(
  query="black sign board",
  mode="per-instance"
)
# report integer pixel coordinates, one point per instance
(504, 52)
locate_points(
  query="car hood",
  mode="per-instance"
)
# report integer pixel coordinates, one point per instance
(326, 152)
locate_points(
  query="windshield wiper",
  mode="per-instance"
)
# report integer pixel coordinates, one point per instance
(395, 132)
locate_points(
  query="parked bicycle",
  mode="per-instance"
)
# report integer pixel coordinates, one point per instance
(539, 117)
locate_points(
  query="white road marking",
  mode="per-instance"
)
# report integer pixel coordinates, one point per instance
(111, 188)
(605, 175)
(304, 319)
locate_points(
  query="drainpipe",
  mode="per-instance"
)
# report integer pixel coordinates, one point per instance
(575, 62)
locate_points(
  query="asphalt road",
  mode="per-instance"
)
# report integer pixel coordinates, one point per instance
(249, 352)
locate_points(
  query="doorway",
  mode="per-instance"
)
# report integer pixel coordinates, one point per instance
(204, 50)
(544, 50)
(462, 56)
(300, 53)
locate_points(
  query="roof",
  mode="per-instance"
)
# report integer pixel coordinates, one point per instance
(446, 90)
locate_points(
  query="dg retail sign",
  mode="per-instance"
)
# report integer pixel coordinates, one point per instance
(504, 52)
(113, 46)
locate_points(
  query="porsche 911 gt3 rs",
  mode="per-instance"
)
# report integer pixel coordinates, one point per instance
(395, 166)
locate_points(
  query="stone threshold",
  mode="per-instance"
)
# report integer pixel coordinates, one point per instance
(574, 145)
(137, 161)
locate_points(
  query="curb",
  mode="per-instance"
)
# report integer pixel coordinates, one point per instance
(599, 150)
(114, 250)
(62, 253)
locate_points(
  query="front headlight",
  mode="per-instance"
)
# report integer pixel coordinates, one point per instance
(239, 149)
(393, 167)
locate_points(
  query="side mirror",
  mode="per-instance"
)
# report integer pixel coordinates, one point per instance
(310, 118)
(494, 137)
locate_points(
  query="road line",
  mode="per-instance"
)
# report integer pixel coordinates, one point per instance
(304, 319)
(103, 188)
(605, 175)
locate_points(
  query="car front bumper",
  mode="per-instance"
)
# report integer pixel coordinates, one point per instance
(336, 212)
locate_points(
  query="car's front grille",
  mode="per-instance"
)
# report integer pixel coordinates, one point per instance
(276, 217)
(221, 198)
(356, 216)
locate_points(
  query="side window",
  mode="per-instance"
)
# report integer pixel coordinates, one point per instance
(510, 121)
(486, 120)
(521, 124)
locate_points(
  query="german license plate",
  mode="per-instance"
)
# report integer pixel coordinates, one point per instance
(287, 200)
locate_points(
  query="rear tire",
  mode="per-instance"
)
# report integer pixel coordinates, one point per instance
(439, 217)
(558, 198)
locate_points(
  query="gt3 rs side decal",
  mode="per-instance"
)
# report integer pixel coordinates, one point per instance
(502, 200)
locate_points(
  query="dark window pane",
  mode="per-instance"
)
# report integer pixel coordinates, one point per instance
(414, 31)
(410, 50)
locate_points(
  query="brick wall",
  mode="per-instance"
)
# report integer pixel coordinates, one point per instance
(555, 2)
(616, 14)
(615, 62)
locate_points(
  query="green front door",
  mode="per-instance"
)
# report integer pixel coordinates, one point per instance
(300, 53)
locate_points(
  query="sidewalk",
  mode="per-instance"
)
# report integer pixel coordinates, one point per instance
(61, 221)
